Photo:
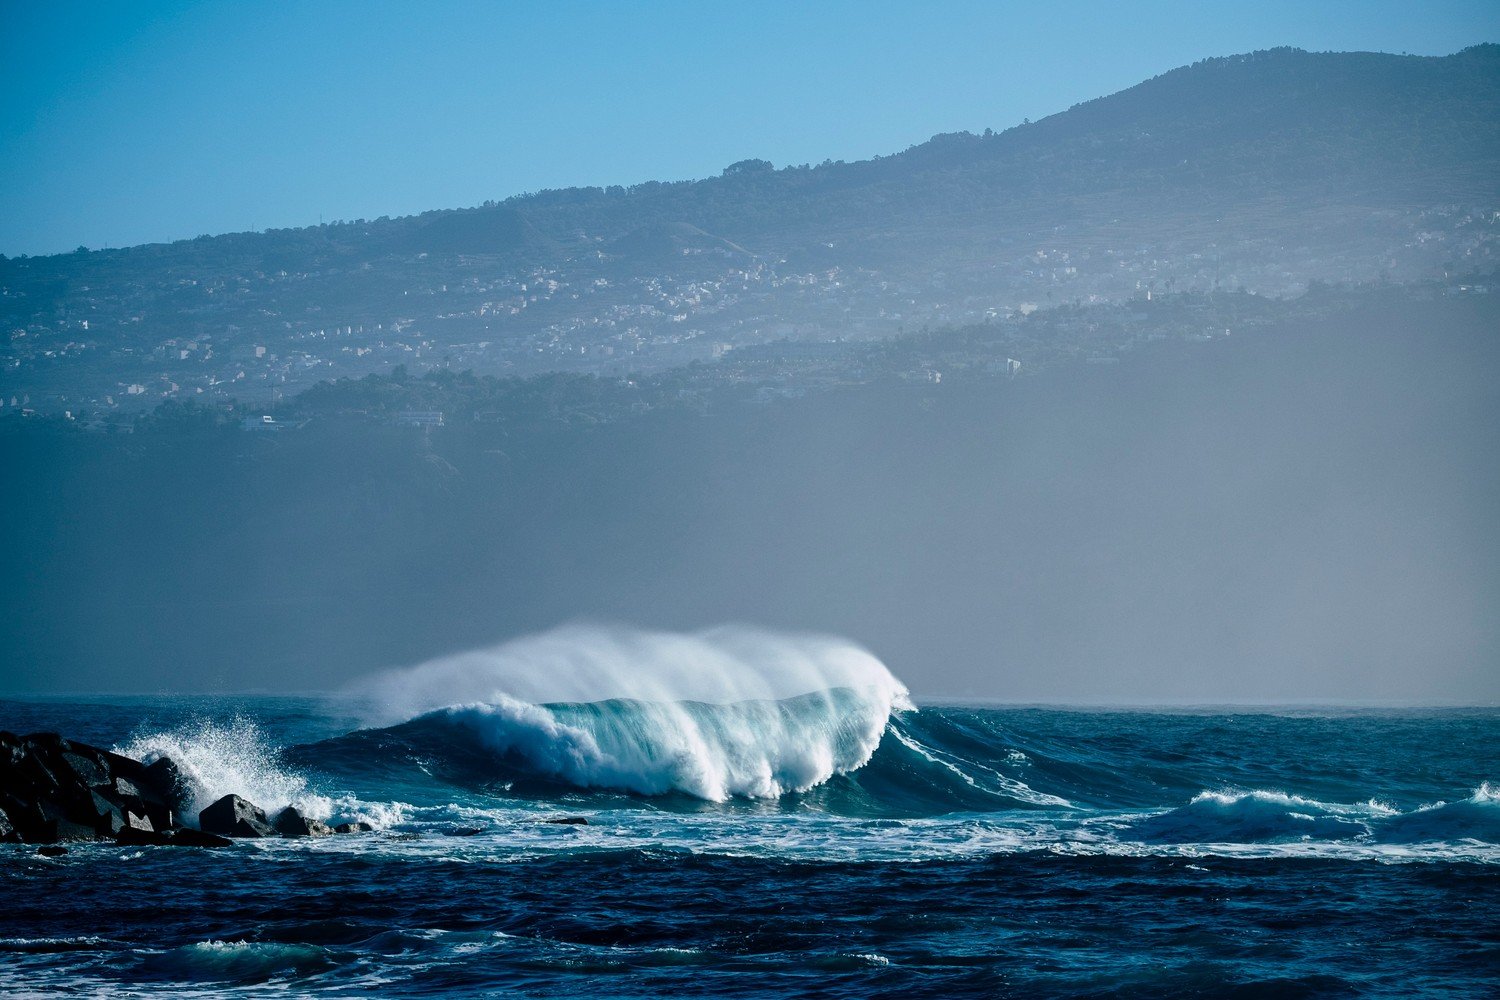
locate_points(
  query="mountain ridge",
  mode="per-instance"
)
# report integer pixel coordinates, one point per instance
(1479, 62)
(1258, 172)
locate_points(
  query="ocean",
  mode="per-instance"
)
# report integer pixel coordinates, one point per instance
(836, 843)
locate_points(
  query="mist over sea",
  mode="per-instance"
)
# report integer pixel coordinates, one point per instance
(757, 832)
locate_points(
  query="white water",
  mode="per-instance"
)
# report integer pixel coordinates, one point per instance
(220, 759)
(725, 712)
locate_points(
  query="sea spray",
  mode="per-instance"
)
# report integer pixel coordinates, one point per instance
(217, 759)
(588, 663)
(731, 711)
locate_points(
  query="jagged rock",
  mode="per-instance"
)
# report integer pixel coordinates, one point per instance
(291, 823)
(232, 816)
(67, 829)
(53, 788)
(569, 820)
(463, 831)
(84, 768)
(164, 778)
(358, 826)
(109, 817)
(33, 778)
(48, 742)
(123, 767)
(26, 818)
(52, 851)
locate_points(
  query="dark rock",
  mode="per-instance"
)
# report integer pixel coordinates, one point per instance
(54, 789)
(8, 832)
(27, 819)
(123, 767)
(10, 750)
(130, 837)
(197, 838)
(33, 778)
(165, 780)
(47, 743)
(569, 820)
(85, 769)
(109, 817)
(233, 816)
(161, 817)
(291, 823)
(66, 829)
(463, 831)
(52, 851)
(358, 826)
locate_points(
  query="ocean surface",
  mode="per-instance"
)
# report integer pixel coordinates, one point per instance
(839, 842)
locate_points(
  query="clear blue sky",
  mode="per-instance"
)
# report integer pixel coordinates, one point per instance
(125, 123)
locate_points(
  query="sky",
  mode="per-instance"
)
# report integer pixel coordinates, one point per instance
(125, 123)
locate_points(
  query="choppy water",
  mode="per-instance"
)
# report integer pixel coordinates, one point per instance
(835, 843)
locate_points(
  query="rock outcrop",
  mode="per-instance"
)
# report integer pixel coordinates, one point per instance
(232, 816)
(54, 789)
(291, 823)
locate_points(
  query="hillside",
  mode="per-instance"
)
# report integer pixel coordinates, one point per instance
(1257, 172)
(1317, 490)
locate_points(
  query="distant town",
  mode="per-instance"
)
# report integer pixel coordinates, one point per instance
(259, 338)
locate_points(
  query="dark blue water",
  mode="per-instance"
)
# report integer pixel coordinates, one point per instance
(981, 852)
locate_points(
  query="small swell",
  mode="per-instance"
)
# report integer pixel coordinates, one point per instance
(239, 962)
(1474, 818)
(1254, 817)
(1250, 817)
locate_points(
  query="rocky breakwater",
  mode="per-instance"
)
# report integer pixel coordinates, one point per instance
(54, 789)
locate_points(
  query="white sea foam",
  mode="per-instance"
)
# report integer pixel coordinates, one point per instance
(726, 712)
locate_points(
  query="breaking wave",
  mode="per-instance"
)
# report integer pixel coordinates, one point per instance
(751, 749)
(729, 712)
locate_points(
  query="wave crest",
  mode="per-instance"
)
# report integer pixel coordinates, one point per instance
(728, 712)
(1257, 816)
(752, 749)
(1474, 818)
(1269, 816)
